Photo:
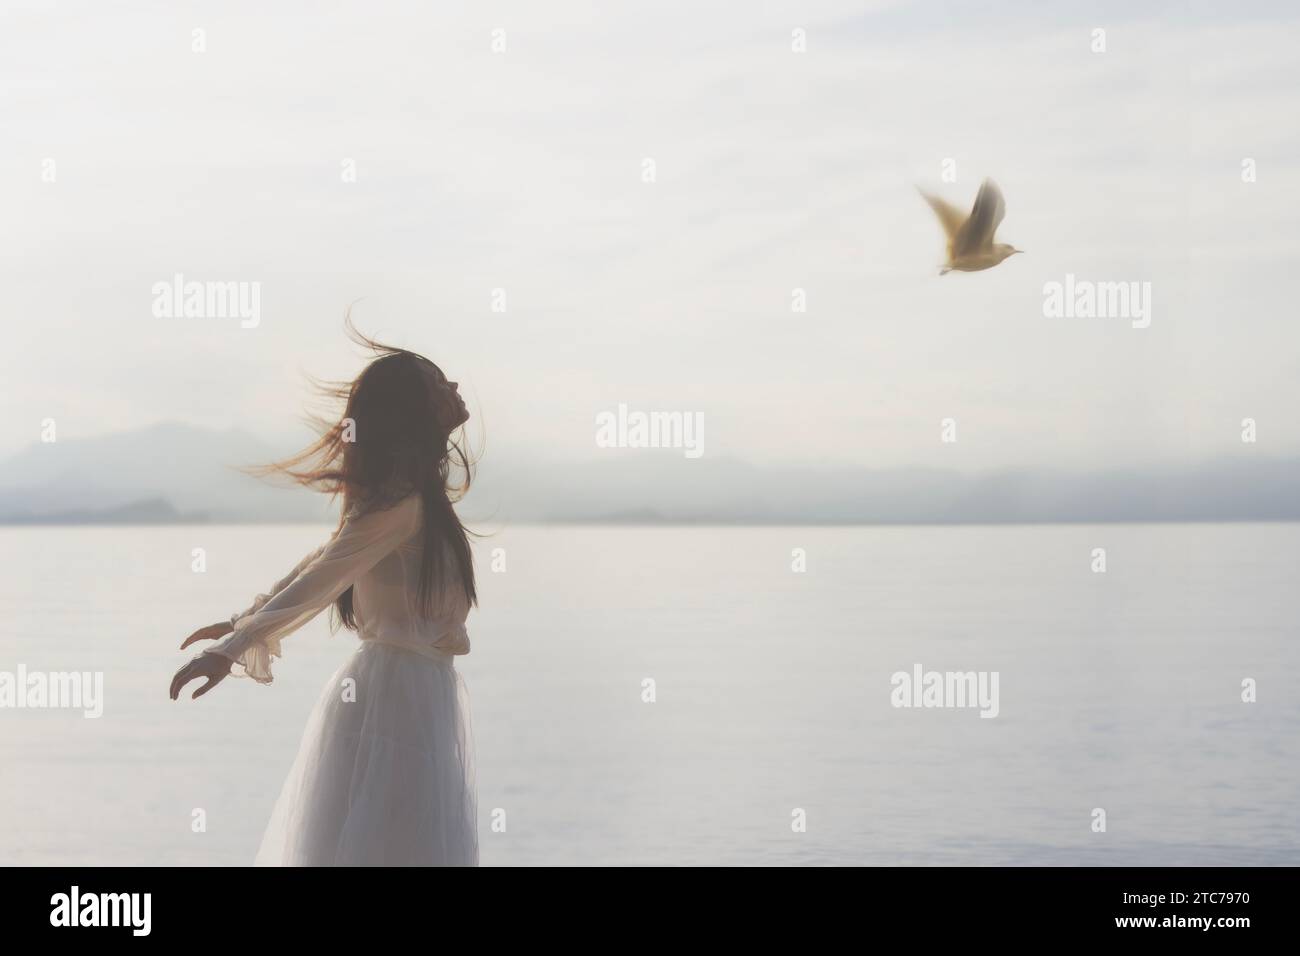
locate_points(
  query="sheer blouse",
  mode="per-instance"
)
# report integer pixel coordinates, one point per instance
(378, 554)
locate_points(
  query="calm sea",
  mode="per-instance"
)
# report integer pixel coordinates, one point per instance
(1119, 691)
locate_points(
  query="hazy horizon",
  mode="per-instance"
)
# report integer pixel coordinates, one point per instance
(118, 479)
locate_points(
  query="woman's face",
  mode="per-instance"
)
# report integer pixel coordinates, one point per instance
(448, 405)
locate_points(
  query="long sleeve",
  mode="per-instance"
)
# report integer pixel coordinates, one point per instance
(276, 588)
(361, 543)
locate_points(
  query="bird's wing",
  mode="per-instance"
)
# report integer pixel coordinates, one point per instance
(984, 220)
(951, 217)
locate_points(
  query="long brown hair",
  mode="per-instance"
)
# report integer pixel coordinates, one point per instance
(395, 437)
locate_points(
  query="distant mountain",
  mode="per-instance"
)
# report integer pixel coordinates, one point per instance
(192, 470)
(149, 511)
(632, 488)
(172, 472)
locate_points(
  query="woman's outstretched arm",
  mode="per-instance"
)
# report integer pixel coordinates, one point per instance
(212, 632)
(260, 601)
(361, 543)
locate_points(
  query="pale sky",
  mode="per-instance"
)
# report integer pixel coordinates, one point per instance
(776, 170)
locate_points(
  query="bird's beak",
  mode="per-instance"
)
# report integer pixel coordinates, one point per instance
(1014, 251)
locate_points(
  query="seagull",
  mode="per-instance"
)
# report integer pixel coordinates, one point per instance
(970, 238)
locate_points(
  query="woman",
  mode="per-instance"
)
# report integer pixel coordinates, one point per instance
(384, 775)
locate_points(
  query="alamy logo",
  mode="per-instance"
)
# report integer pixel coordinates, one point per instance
(102, 909)
(179, 299)
(54, 690)
(629, 429)
(1085, 299)
(946, 689)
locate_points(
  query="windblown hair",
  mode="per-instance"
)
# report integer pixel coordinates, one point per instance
(390, 441)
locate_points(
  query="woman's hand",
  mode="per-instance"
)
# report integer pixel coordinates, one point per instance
(209, 633)
(213, 667)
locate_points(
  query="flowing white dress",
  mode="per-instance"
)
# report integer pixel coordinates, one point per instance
(384, 775)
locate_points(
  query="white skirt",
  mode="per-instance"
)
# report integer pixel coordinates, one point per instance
(385, 774)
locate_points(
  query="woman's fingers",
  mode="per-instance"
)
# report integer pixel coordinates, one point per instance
(183, 677)
(209, 633)
(214, 669)
(211, 666)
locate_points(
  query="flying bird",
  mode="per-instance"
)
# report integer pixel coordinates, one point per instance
(970, 238)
